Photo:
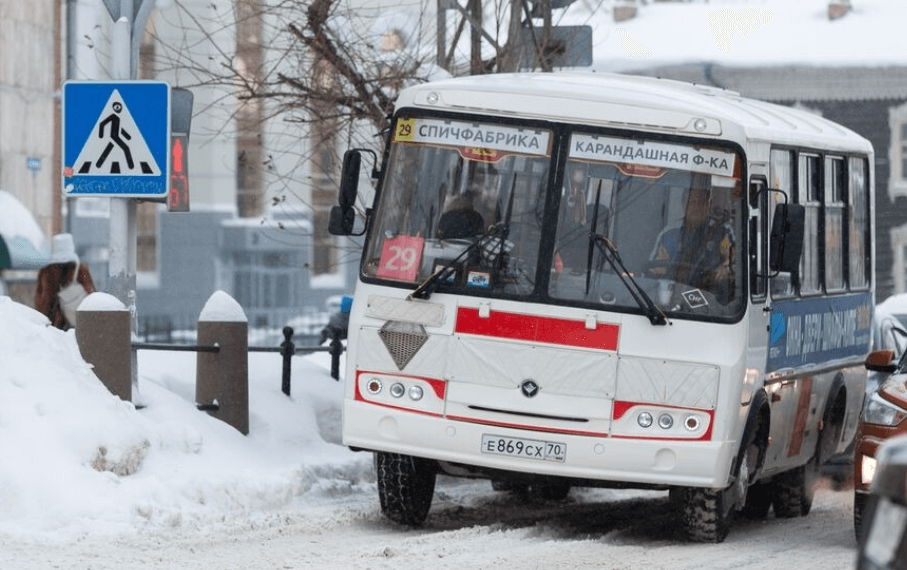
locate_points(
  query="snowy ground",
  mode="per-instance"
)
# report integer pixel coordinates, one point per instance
(89, 481)
(471, 527)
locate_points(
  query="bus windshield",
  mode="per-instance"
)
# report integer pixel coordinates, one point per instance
(626, 225)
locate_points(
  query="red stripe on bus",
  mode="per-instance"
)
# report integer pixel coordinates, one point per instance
(533, 328)
(796, 439)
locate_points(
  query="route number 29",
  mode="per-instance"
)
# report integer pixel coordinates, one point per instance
(400, 258)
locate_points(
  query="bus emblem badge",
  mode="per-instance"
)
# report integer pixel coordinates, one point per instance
(529, 388)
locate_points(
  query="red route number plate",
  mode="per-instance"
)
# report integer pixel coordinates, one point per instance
(526, 448)
(400, 258)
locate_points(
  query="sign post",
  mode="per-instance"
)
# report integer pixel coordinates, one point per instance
(114, 149)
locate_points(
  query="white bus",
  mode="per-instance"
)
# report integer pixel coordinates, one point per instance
(597, 280)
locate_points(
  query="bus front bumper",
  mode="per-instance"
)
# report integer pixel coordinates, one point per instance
(627, 461)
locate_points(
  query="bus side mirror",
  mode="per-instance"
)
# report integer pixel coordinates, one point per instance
(343, 217)
(786, 241)
(342, 221)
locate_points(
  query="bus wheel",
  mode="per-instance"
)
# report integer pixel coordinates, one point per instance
(794, 490)
(706, 516)
(405, 487)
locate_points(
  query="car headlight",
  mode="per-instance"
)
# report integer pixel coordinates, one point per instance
(867, 469)
(881, 412)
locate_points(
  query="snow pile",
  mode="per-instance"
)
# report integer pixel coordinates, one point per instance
(79, 460)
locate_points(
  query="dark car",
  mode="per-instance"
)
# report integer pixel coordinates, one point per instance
(883, 542)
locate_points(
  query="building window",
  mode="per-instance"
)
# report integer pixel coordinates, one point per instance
(897, 184)
(899, 262)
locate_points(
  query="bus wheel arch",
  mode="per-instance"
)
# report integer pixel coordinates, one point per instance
(755, 437)
(751, 496)
(707, 513)
(833, 418)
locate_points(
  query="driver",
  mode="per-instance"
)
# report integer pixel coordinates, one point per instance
(701, 252)
(461, 219)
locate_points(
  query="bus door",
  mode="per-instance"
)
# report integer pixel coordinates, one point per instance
(760, 306)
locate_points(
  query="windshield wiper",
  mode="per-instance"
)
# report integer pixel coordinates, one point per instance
(427, 287)
(656, 316)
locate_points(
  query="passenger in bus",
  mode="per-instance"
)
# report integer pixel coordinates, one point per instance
(701, 252)
(460, 218)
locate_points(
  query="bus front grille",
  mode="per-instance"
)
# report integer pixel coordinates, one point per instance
(402, 341)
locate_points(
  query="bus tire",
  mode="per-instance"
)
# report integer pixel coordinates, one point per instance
(406, 486)
(832, 423)
(706, 517)
(793, 491)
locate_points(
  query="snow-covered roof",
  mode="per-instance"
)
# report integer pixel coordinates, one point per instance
(746, 33)
(629, 101)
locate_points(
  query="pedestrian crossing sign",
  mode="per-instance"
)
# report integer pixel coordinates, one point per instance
(116, 139)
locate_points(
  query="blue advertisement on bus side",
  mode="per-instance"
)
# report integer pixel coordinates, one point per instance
(813, 331)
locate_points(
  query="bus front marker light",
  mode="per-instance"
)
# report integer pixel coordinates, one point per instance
(397, 390)
(665, 421)
(374, 386)
(644, 420)
(433, 98)
(415, 393)
(691, 423)
(700, 125)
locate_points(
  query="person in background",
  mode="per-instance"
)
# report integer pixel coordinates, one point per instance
(63, 267)
(339, 322)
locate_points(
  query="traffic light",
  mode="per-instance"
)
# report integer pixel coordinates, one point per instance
(180, 125)
(178, 200)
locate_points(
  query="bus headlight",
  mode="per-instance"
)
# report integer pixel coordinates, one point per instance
(425, 395)
(691, 423)
(374, 386)
(644, 419)
(665, 421)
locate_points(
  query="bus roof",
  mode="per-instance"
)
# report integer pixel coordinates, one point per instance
(632, 102)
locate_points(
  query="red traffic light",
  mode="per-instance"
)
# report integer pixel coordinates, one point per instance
(178, 200)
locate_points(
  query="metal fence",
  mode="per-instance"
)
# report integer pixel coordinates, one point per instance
(287, 349)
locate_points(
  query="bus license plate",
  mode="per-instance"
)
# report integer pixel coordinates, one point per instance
(527, 448)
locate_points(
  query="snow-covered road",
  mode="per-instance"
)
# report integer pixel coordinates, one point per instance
(470, 526)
